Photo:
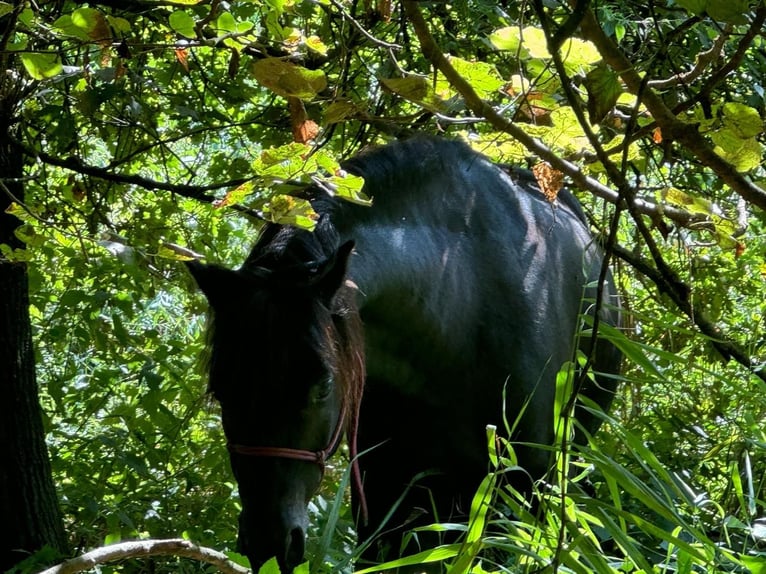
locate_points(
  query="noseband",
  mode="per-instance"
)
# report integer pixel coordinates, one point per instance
(318, 457)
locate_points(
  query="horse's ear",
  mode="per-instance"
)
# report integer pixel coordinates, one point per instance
(334, 273)
(213, 280)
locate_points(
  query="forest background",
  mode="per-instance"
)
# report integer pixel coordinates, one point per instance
(138, 133)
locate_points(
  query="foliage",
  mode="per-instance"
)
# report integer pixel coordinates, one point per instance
(155, 130)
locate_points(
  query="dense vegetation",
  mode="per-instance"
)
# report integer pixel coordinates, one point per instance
(152, 130)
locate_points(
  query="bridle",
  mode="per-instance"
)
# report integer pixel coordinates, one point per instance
(318, 457)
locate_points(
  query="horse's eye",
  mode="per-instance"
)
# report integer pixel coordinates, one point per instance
(321, 390)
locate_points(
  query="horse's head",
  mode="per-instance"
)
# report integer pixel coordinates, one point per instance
(279, 367)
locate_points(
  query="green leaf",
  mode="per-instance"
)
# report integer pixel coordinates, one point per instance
(349, 187)
(237, 195)
(743, 154)
(729, 11)
(118, 24)
(506, 38)
(287, 79)
(183, 23)
(604, 88)
(226, 23)
(418, 90)
(695, 7)
(289, 210)
(315, 44)
(535, 42)
(5, 8)
(578, 54)
(41, 66)
(340, 111)
(93, 23)
(756, 564)
(741, 119)
(483, 77)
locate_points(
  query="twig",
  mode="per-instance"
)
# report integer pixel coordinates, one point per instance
(143, 549)
(361, 28)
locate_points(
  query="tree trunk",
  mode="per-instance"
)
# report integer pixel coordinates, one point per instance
(28, 502)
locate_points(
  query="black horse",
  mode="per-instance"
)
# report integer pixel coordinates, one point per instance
(460, 283)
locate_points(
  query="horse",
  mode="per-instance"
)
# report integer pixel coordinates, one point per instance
(409, 326)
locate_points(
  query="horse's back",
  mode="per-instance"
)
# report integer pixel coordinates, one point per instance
(470, 289)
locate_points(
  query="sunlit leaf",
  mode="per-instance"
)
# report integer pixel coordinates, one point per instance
(506, 38)
(742, 120)
(183, 23)
(315, 44)
(578, 54)
(743, 154)
(418, 90)
(93, 23)
(349, 187)
(41, 66)
(289, 210)
(236, 195)
(287, 79)
(484, 78)
(535, 42)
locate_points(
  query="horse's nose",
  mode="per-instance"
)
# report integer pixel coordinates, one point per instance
(295, 546)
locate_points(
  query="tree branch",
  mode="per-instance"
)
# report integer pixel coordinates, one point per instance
(482, 109)
(666, 282)
(672, 128)
(146, 548)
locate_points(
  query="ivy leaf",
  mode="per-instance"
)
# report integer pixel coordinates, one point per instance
(288, 80)
(41, 66)
(183, 23)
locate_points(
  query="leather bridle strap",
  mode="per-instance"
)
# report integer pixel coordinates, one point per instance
(316, 456)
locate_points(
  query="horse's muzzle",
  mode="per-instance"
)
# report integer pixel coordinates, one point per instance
(285, 542)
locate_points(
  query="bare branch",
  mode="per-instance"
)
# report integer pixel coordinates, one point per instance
(704, 60)
(339, 7)
(146, 548)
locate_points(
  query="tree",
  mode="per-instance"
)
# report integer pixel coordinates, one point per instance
(28, 499)
(131, 129)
